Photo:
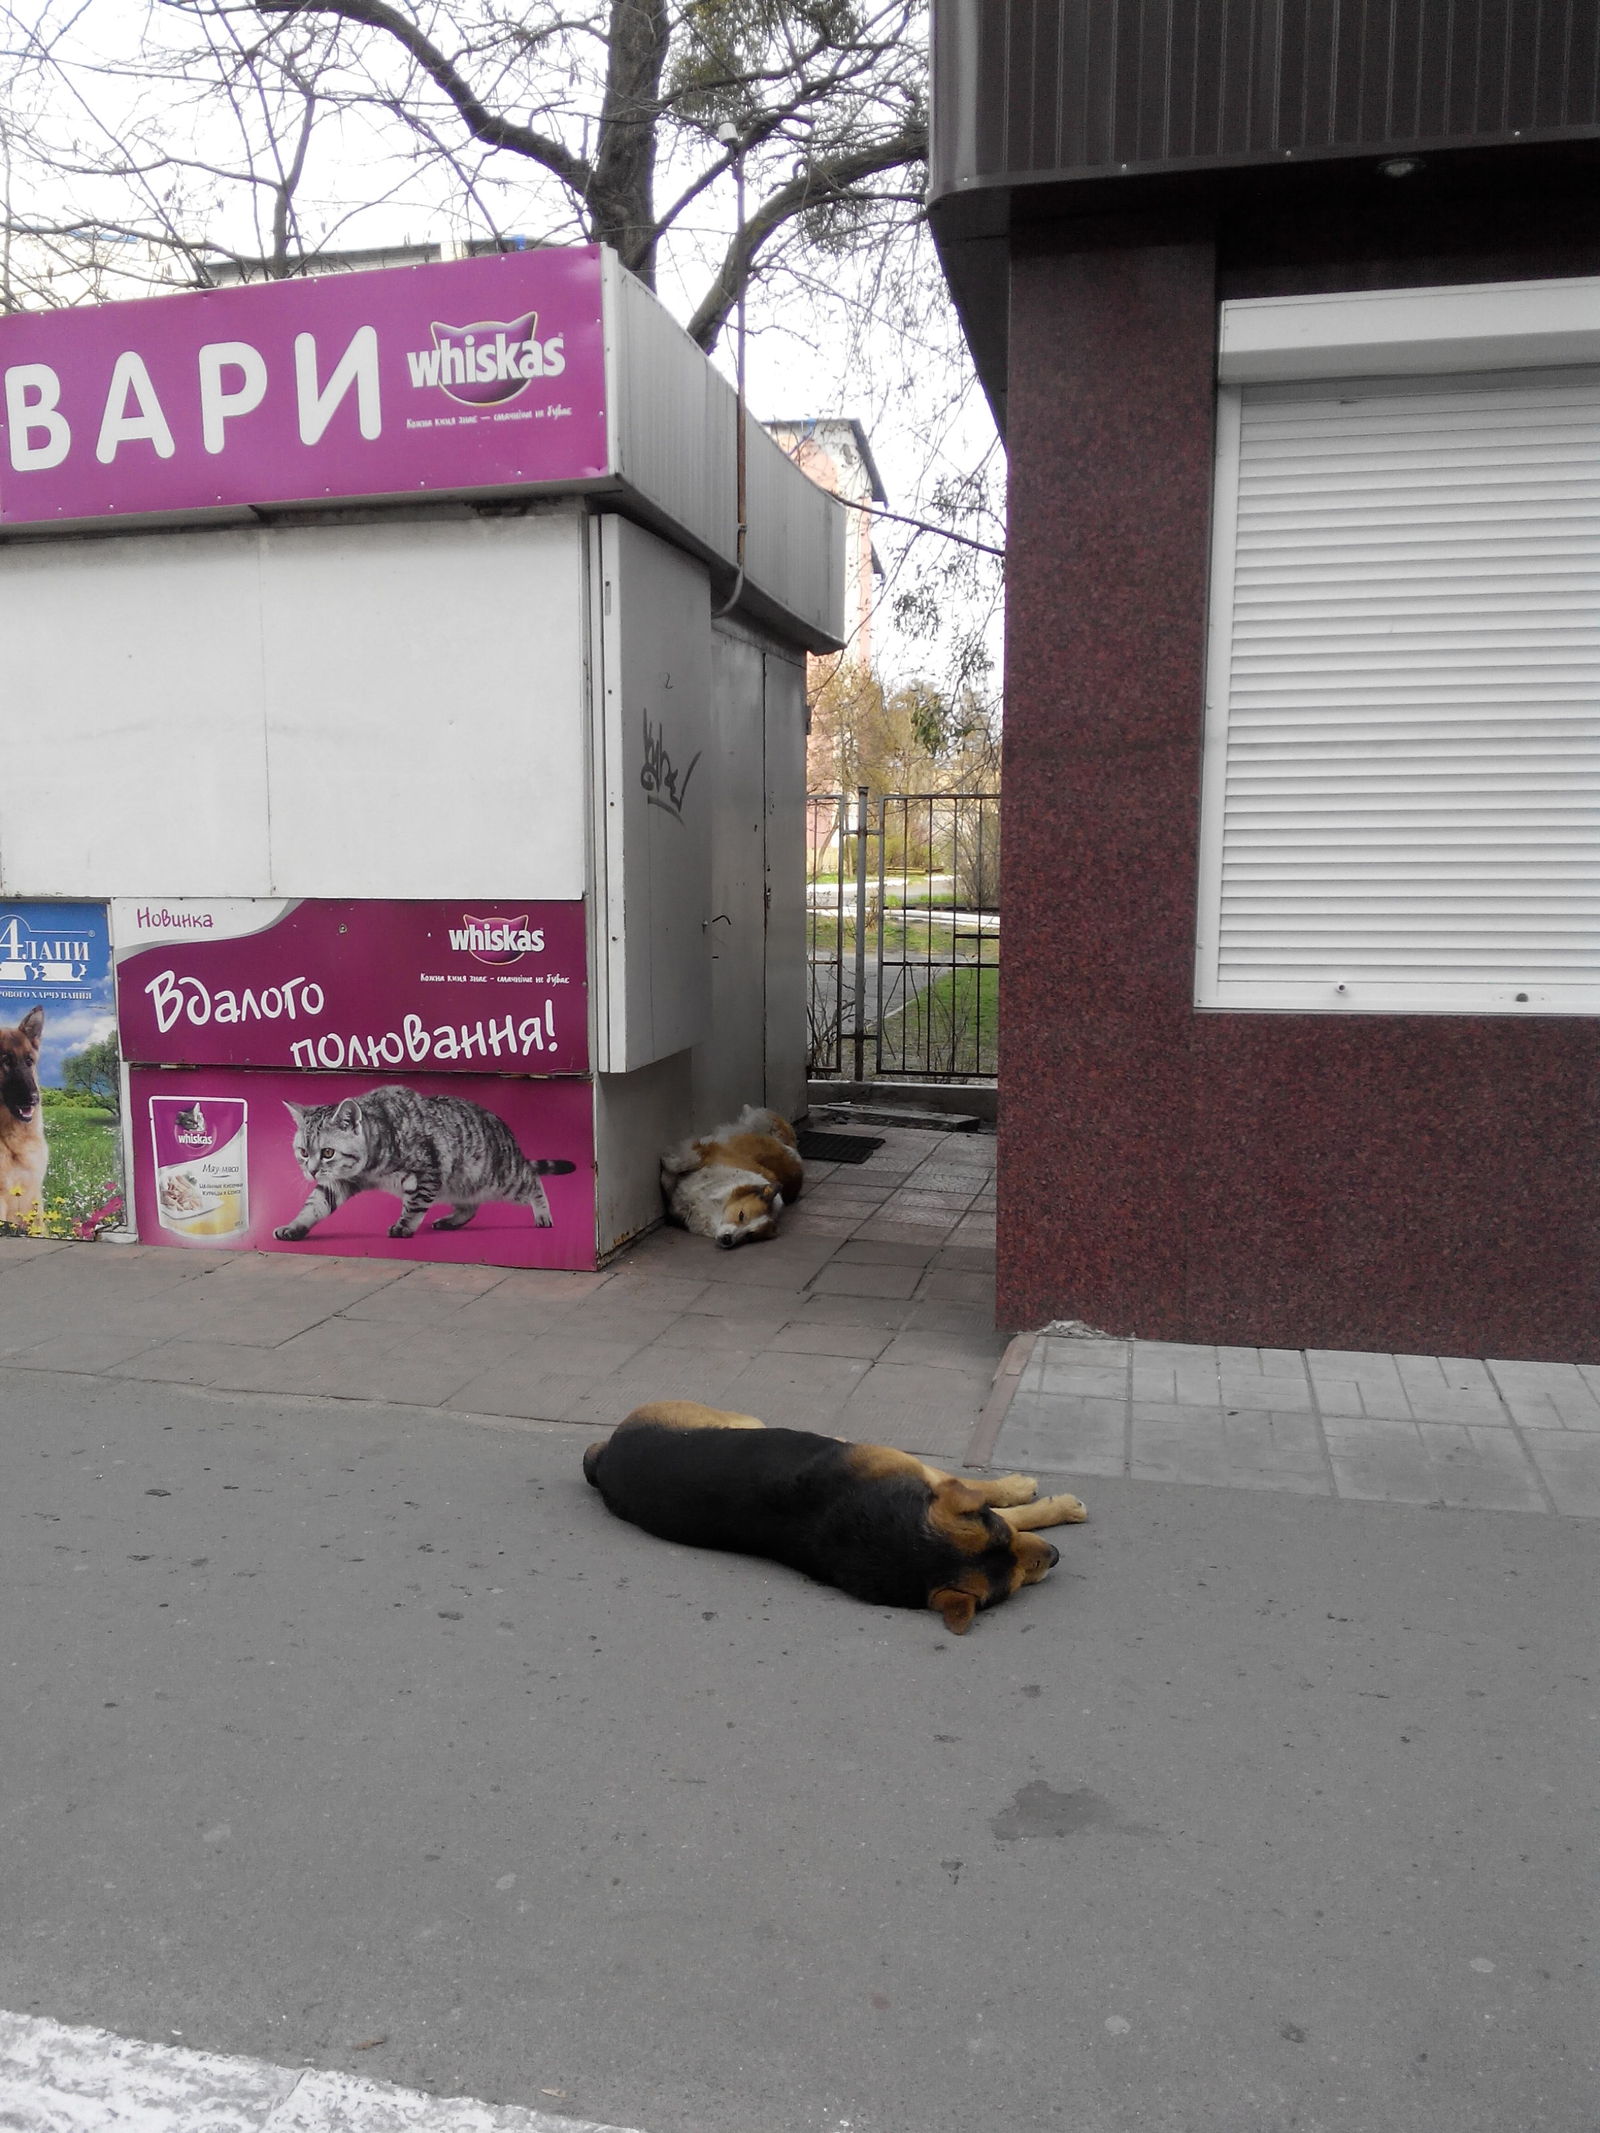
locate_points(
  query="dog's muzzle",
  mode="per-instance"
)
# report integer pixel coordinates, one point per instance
(1055, 1554)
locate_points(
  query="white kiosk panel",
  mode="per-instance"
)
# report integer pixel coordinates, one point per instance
(425, 726)
(653, 799)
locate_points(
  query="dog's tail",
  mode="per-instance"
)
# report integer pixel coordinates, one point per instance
(756, 1118)
(591, 1460)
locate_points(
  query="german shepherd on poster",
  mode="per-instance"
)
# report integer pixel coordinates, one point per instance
(24, 1156)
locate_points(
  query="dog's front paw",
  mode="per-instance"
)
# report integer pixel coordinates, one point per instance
(1062, 1510)
(1012, 1489)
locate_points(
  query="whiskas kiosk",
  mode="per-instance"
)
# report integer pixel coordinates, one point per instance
(361, 649)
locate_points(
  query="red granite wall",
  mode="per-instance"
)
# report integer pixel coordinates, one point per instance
(1416, 1183)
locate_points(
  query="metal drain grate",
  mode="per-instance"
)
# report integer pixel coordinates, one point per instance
(838, 1147)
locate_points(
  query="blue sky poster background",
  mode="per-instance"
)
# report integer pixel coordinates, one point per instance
(57, 956)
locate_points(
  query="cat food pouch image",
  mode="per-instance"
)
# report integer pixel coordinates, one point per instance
(201, 1165)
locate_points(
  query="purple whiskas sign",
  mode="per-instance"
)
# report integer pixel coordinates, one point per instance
(475, 987)
(482, 374)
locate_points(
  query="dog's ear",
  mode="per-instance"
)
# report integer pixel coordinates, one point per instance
(954, 1500)
(959, 1496)
(953, 1513)
(31, 1027)
(957, 1607)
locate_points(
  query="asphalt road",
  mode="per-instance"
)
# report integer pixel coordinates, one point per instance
(361, 1736)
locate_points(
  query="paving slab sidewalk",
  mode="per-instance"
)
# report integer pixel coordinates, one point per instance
(1446, 1431)
(872, 1313)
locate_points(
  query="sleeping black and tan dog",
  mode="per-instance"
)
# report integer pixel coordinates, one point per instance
(880, 1524)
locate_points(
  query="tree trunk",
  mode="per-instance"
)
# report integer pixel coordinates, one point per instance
(621, 195)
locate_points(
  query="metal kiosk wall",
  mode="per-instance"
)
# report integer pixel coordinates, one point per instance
(453, 851)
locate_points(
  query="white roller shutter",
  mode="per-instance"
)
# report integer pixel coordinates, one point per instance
(1402, 794)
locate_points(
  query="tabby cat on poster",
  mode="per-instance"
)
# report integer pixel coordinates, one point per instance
(425, 1148)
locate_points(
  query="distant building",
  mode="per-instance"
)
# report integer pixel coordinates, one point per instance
(94, 266)
(408, 252)
(85, 266)
(833, 450)
(229, 273)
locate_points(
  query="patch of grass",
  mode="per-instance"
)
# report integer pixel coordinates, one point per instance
(910, 939)
(952, 1028)
(83, 1185)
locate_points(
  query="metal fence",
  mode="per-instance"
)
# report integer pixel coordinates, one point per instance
(903, 935)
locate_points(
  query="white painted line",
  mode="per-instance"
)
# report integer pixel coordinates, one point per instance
(55, 2079)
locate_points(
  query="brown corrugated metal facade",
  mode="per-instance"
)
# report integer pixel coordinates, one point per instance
(1030, 90)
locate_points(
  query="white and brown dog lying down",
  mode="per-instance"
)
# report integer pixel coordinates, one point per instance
(880, 1524)
(734, 1182)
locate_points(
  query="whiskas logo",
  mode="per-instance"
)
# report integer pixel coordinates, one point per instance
(496, 940)
(489, 363)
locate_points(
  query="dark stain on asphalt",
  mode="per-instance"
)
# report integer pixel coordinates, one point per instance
(1040, 1811)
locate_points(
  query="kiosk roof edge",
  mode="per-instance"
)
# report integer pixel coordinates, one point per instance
(531, 374)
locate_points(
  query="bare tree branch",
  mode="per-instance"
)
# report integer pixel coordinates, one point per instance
(495, 130)
(922, 525)
(812, 188)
